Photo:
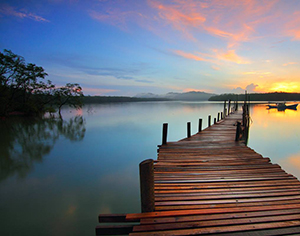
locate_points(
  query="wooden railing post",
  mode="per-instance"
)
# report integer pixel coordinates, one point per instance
(209, 120)
(229, 108)
(147, 186)
(218, 116)
(215, 120)
(238, 131)
(165, 133)
(224, 110)
(222, 116)
(189, 129)
(200, 125)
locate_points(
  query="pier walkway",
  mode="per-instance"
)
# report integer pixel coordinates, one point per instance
(210, 184)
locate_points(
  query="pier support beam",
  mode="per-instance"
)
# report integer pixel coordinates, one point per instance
(189, 129)
(147, 186)
(164, 133)
(238, 131)
(200, 125)
(209, 120)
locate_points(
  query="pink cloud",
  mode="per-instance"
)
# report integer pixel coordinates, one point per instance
(97, 91)
(181, 16)
(10, 11)
(233, 22)
(292, 27)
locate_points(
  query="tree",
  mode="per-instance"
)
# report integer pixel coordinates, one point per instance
(71, 95)
(23, 88)
(19, 82)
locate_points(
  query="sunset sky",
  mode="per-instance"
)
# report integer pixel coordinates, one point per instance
(126, 47)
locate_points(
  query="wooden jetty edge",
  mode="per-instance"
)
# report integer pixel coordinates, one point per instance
(211, 183)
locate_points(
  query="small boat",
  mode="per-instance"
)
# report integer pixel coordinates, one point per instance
(283, 106)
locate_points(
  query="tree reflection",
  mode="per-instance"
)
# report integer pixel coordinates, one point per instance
(24, 141)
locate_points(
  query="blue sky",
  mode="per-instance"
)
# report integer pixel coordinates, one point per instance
(126, 47)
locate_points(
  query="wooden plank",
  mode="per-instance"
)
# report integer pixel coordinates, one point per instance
(134, 216)
(223, 229)
(206, 205)
(216, 217)
(208, 223)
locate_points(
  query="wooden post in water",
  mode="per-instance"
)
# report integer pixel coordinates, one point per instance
(189, 129)
(165, 133)
(218, 116)
(209, 120)
(147, 186)
(238, 131)
(222, 115)
(200, 125)
(224, 110)
(215, 120)
(229, 104)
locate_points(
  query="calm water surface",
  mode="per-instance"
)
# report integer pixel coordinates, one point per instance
(57, 176)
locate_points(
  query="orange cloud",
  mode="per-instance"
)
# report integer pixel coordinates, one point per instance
(190, 56)
(231, 56)
(290, 63)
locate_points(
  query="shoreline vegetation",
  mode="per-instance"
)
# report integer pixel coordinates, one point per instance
(276, 96)
(24, 91)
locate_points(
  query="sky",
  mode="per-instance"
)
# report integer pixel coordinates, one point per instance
(128, 47)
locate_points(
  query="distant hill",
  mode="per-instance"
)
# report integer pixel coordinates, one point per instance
(144, 97)
(189, 96)
(118, 99)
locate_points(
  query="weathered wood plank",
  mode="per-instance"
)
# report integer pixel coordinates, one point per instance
(223, 229)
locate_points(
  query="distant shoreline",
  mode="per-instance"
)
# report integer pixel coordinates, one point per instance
(277, 96)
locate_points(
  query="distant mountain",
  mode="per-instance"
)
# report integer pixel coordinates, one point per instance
(189, 96)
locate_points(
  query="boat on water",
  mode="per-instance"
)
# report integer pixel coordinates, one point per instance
(283, 106)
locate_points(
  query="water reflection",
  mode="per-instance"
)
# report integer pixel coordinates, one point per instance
(75, 181)
(276, 134)
(25, 141)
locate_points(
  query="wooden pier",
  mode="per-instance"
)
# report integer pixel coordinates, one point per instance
(211, 183)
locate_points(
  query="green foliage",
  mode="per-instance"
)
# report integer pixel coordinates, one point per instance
(23, 88)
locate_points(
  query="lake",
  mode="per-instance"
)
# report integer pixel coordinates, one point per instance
(57, 176)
